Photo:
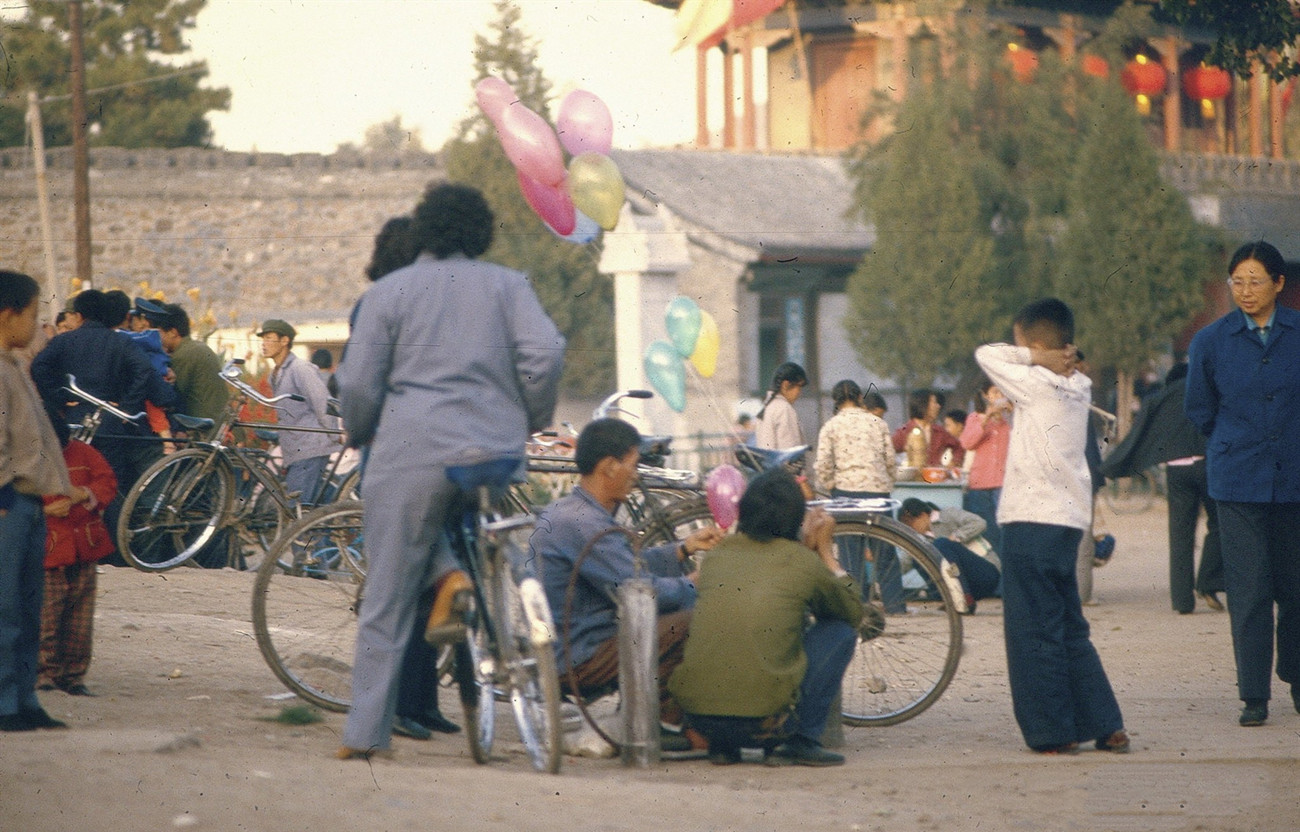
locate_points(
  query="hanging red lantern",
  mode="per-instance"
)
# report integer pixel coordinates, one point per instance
(1024, 62)
(1143, 76)
(1095, 66)
(1207, 83)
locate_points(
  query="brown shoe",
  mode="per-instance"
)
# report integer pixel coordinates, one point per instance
(347, 753)
(453, 602)
(1116, 743)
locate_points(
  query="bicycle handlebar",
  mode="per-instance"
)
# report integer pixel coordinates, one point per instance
(609, 405)
(230, 374)
(90, 398)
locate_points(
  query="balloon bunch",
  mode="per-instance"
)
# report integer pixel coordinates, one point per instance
(692, 335)
(576, 202)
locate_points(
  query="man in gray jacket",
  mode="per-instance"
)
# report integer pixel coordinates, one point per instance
(451, 361)
(305, 453)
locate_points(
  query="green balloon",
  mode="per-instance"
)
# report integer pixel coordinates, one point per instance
(666, 373)
(683, 322)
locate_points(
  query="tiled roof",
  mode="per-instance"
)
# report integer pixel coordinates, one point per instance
(779, 205)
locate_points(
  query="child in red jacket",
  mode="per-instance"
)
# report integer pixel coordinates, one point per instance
(76, 538)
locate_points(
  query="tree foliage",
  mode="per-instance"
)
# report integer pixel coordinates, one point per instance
(576, 296)
(923, 294)
(1248, 30)
(1132, 262)
(133, 98)
(1020, 189)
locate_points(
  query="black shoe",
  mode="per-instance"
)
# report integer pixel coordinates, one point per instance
(673, 741)
(405, 726)
(437, 723)
(1255, 713)
(16, 722)
(724, 756)
(801, 751)
(1295, 698)
(38, 718)
(1212, 601)
(45, 686)
(78, 690)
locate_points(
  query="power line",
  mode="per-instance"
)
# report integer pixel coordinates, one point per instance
(194, 70)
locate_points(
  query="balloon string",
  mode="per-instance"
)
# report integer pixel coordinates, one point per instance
(711, 394)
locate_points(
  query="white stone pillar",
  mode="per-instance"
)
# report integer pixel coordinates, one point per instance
(644, 255)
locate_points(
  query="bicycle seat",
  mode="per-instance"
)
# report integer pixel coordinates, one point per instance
(653, 449)
(193, 422)
(493, 473)
(266, 435)
(763, 459)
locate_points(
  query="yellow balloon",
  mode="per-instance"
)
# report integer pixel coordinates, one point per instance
(596, 187)
(705, 357)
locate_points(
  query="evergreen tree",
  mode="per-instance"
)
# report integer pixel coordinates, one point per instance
(1132, 261)
(576, 296)
(133, 99)
(924, 295)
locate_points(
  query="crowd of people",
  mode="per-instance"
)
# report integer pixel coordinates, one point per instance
(452, 361)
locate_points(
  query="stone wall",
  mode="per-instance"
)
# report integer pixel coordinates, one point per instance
(257, 235)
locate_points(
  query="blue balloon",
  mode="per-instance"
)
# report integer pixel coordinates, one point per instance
(667, 373)
(583, 232)
(683, 322)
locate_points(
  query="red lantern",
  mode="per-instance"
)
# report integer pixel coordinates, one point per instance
(1024, 62)
(1096, 66)
(1143, 76)
(1207, 83)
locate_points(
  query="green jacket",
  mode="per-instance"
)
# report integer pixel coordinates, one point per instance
(745, 653)
(198, 380)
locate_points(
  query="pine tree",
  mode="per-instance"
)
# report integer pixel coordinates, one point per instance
(1133, 262)
(576, 296)
(133, 99)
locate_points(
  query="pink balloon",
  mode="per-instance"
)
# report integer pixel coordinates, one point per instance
(584, 124)
(493, 96)
(531, 146)
(550, 202)
(723, 489)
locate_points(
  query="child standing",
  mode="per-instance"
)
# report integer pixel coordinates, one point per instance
(76, 538)
(30, 465)
(1059, 690)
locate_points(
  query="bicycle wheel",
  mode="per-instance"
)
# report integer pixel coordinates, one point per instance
(175, 509)
(306, 600)
(261, 514)
(525, 634)
(904, 660)
(1129, 495)
(475, 670)
(680, 519)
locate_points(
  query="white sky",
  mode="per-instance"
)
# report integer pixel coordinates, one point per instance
(307, 75)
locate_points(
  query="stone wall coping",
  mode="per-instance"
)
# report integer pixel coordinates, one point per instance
(103, 158)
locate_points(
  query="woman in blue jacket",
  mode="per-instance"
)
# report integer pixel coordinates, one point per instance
(1243, 392)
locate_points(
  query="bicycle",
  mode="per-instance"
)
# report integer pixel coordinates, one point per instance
(905, 658)
(305, 614)
(181, 502)
(1127, 495)
(88, 427)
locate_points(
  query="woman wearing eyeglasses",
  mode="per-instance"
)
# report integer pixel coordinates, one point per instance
(1243, 392)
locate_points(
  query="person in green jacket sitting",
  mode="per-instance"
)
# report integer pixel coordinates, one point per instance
(756, 673)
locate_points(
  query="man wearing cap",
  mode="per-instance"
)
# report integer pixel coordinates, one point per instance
(305, 453)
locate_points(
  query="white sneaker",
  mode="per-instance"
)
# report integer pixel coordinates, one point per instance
(950, 574)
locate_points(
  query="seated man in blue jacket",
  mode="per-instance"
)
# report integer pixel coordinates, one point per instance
(606, 456)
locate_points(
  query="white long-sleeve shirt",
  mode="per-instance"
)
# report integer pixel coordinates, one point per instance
(1047, 478)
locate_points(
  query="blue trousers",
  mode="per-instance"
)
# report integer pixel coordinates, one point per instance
(887, 572)
(1261, 561)
(1059, 690)
(978, 577)
(304, 476)
(22, 584)
(829, 646)
(984, 502)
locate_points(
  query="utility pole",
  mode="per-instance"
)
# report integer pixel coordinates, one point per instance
(80, 153)
(53, 296)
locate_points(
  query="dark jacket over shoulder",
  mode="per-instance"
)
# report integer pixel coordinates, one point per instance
(1246, 398)
(1160, 432)
(106, 365)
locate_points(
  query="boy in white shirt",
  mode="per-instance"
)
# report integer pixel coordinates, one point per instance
(1059, 690)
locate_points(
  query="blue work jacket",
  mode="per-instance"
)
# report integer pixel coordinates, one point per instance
(1245, 397)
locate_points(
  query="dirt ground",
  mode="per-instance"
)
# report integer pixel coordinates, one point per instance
(177, 739)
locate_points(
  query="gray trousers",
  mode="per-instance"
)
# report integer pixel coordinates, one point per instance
(406, 551)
